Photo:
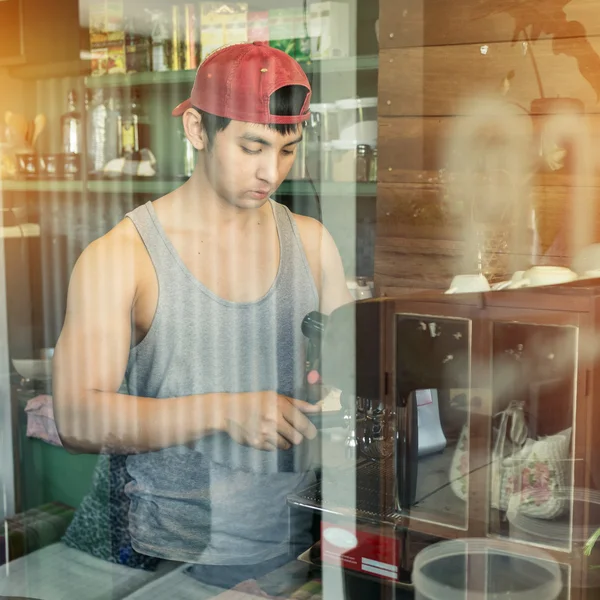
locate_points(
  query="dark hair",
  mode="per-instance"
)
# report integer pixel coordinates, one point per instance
(285, 101)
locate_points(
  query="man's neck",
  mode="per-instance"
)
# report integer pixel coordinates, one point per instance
(200, 205)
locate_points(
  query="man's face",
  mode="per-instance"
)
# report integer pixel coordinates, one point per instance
(248, 162)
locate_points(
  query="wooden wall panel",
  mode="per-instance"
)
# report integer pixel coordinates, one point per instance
(444, 22)
(414, 150)
(439, 62)
(439, 80)
(420, 242)
(415, 211)
(411, 263)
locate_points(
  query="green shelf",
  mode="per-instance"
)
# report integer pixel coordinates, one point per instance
(137, 79)
(160, 187)
(299, 188)
(333, 65)
(41, 186)
(154, 186)
(328, 188)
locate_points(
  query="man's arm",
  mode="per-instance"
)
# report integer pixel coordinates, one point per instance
(91, 358)
(325, 263)
(335, 291)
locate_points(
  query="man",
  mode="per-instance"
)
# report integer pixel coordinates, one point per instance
(196, 302)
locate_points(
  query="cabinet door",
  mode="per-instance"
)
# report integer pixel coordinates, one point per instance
(12, 30)
(433, 379)
(534, 370)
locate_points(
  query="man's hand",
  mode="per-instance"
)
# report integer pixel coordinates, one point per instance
(267, 420)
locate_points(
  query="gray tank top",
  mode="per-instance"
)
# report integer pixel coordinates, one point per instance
(215, 501)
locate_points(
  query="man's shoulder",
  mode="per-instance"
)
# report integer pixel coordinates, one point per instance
(122, 245)
(310, 229)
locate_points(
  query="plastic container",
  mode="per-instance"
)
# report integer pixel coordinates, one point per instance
(323, 124)
(357, 120)
(485, 569)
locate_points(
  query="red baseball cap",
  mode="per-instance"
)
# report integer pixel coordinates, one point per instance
(237, 82)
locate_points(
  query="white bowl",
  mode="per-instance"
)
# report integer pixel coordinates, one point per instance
(32, 368)
(587, 259)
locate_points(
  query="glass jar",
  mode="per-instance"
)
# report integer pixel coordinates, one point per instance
(373, 169)
(363, 163)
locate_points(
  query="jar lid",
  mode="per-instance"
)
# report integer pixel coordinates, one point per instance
(352, 103)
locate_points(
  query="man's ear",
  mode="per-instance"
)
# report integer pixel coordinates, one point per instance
(195, 132)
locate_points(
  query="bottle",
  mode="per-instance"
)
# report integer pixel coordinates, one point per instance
(363, 166)
(129, 129)
(71, 126)
(113, 134)
(103, 135)
(137, 48)
(373, 174)
(191, 47)
(132, 128)
(96, 137)
(176, 37)
(159, 40)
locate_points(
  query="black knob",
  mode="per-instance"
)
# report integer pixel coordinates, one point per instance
(313, 325)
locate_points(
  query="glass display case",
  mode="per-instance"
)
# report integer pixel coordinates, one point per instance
(534, 373)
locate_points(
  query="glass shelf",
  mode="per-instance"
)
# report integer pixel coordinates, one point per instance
(159, 187)
(10, 185)
(328, 188)
(299, 188)
(333, 65)
(123, 186)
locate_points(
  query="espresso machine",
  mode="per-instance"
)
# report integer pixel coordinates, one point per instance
(479, 352)
(387, 375)
(382, 419)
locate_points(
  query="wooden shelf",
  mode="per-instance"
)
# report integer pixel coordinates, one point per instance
(333, 65)
(9, 185)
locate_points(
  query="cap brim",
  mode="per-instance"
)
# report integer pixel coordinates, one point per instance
(181, 108)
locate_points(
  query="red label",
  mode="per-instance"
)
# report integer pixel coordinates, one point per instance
(424, 397)
(363, 551)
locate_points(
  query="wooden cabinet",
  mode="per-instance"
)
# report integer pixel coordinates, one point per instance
(537, 347)
(34, 33)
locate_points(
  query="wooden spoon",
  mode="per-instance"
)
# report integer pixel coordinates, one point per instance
(39, 126)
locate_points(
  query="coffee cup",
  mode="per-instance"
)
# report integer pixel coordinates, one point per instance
(543, 275)
(468, 283)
